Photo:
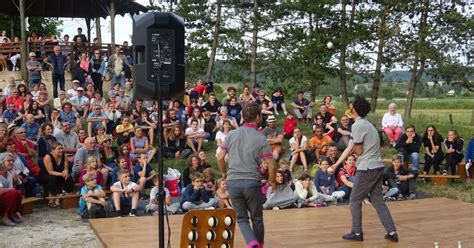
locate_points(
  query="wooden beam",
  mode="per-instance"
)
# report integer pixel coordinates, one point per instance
(24, 41)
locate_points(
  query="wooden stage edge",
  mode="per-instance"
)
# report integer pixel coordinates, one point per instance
(420, 223)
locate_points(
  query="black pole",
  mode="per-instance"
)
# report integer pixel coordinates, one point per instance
(162, 195)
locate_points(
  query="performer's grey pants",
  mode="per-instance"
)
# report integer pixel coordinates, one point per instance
(369, 182)
(246, 197)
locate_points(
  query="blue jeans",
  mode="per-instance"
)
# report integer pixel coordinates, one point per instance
(31, 82)
(247, 198)
(58, 78)
(117, 78)
(414, 157)
(347, 190)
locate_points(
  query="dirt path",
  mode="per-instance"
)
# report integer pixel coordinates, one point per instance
(48, 227)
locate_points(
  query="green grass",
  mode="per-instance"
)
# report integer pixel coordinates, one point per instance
(422, 116)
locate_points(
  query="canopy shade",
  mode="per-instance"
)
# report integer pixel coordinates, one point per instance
(71, 8)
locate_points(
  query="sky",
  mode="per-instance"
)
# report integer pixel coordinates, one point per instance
(123, 27)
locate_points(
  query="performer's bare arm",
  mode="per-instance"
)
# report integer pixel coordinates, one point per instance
(351, 148)
(221, 163)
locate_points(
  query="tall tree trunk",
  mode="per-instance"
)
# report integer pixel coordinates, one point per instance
(419, 63)
(24, 40)
(98, 29)
(253, 62)
(378, 67)
(215, 42)
(12, 27)
(342, 58)
(112, 23)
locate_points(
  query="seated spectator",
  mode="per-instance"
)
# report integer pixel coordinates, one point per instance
(70, 115)
(210, 126)
(147, 125)
(88, 150)
(197, 116)
(92, 167)
(220, 136)
(12, 116)
(35, 110)
(31, 128)
(346, 176)
(274, 136)
(319, 142)
(11, 85)
(392, 124)
(328, 130)
(95, 119)
(224, 116)
(331, 154)
(303, 108)
(307, 194)
(9, 196)
(92, 197)
(124, 131)
(153, 205)
(195, 195)
(298, 149)
(124, 153)
(143, 165)
(108, 157)
(26, 179)
(139, 145)
(434, 155)
(331, 108)
(234, 109)
(212, 105)
(3, 137)
(401, 178)
(101, 135)
(289, 126)
(2, 103)
(59, 101)
(246, 96)
(263, 99)
(124, 101)
(265, 113)
(16, 99)
(278, 100)
(350, 113)
(282, 196)
(194, 165)
(198, 90)
(44, 105)
(55, 174)
(80, 103)
(469, 159)
(27, 149)
(129, 91)
(34, 91)
(89, 93)
(126, 193)
(73, 91)
(22, 90)
(180, 112)
(82, 135)
(170, 122)
(231, 92)
(99, 100)
(209, 182)
(454, 155)
(343, 134)
(176, 144)
(55, 121)
(34, 70)
(328, 118)
(222, 195)
(325, 183)
(408, 146)
(195, 136)
(284, 167)
(263, 174)
(28, 101)
(204, 164)
(114, 116)
(45, 140)
(256, 91)
(69, 139)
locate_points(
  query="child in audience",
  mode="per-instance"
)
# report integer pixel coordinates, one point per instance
(92, 168)
(282, 196)
(284, 166)
(306, 191)
(195, 195)
(345, 177)
(222, 195)
(453, 145)
(209, 182)
(143, 165)
(153, 205)
(289, 126)
(401, 178)
(92, 196)
(325, 183)
(125, 193)
(263, 175)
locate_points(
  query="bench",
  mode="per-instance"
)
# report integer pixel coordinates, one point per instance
(27, 204)
(439, 179)
(66, 201)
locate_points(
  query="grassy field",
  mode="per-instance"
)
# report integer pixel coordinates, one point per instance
(425, 112)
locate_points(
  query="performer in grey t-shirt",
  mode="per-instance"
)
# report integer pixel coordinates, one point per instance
(246, 148)
(365, 143)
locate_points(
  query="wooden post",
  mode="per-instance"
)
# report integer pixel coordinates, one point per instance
(451, 119)
(112, 21)
(24, 41)
(98, 31)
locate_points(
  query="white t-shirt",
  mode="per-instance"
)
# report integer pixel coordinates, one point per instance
(18, 167)
(220, 135)
(154, 191)
(301, 144)
(131, 185)
(191, 130)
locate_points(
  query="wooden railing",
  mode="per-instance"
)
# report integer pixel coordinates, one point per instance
(43, 49)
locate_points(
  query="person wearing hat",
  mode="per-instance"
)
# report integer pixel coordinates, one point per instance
(73, 92)
(34, 70)
(274, 136)
(79, 35)
(80, 103)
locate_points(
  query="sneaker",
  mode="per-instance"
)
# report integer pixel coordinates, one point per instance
(206, 140)
(394, 143)
(133, 213)
(400, 197)
(276, 113)
(353, 236)
(286, 113)
(393, 237)
(118, 214)
(210, 208)
(276, 208)
(445, 173)
(412, 196)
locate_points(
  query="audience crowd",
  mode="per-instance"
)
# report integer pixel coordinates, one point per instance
(88, 139)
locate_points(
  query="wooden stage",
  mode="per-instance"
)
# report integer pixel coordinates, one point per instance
(420, 223)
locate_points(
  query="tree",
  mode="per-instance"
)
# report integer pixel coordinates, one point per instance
(215, 41)
(41, 25)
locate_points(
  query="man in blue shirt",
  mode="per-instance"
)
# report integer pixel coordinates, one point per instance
(95, 119)
(11, 116)
(31, 127)
(67, 114)
(80, 103)
(57, 61)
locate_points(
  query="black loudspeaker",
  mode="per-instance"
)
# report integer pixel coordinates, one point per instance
(158, 40)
